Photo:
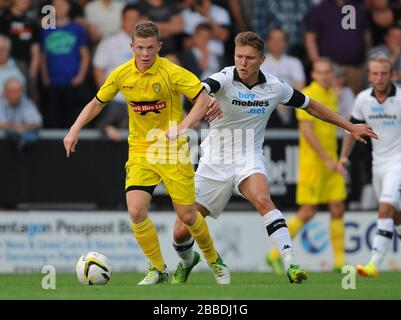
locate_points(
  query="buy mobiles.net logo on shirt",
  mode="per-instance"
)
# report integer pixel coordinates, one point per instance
(248, 100)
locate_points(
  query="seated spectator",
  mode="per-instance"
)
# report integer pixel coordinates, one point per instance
(18, 115)
(8, 67)
(65, 63)
(286, 68)
(198, 58)
(167, 17)
(103, 18)
(392, 49)
(111, 52)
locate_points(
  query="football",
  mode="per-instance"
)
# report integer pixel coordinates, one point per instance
(93, 268)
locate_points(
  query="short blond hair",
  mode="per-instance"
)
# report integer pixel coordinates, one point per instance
(249, 38)
(146, 29)
(381, 57)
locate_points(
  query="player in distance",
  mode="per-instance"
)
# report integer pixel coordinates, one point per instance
(380, 108)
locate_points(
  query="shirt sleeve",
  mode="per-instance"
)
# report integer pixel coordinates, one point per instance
(301, 114)
(186, 83)
(292, 97)
(313, 21)
(82, 39)
(215, 82)
(109, 89)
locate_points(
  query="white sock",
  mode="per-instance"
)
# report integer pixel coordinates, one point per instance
(185, 252)
(382, 240)
(278, 233)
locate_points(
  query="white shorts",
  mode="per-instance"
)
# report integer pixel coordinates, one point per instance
(214, 185)
(387, 185)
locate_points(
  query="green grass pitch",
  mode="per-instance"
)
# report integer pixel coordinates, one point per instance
(245, 286)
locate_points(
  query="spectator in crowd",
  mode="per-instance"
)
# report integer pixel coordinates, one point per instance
(23, 32)
(111, 52)
(64, 66)
(201, 11)
(8, 68)
(381, 17)
(198, 58)
(392, 49)
(286, 14)
(286, 68)
(18, 115)
(325, 36)
(103, 18)
(167, 17)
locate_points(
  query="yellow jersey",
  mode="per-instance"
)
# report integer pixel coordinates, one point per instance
(153, 100)
(325, 132)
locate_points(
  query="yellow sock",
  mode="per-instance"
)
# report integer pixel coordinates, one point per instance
(200, 232)
(294, 226)
(146, 235)
(337, 240)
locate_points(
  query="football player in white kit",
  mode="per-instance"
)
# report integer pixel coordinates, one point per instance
(232, 157)
(380, 108)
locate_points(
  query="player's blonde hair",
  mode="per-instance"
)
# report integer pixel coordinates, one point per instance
(146, 29)
(249, 38)
(381, 57)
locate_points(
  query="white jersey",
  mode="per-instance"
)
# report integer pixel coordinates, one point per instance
(385, 120)
(240, 133)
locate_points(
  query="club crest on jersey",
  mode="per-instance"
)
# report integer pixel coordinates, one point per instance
(156, 87)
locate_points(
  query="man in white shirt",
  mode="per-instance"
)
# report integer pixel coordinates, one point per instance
(247, 98)
(380, 108)
(104, 17)
(284, 67)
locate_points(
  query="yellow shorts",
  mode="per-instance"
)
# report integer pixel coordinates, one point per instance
(317, 185)
(178, 178)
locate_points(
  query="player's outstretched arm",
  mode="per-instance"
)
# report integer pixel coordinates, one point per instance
(90, 111)
(358, 131)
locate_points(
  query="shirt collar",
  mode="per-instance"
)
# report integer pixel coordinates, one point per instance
(153, 68)
(261, 79)
(391, 94)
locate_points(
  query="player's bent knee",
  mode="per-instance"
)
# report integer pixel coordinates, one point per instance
(137, 214)
(263, 203)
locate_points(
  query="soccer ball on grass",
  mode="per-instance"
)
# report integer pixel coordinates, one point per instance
(93, 268)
